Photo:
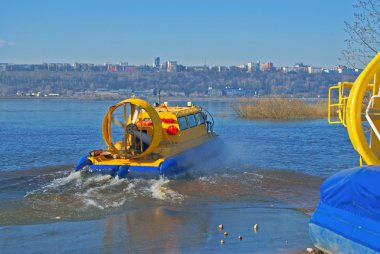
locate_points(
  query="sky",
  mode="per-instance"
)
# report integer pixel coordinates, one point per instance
(192, 32)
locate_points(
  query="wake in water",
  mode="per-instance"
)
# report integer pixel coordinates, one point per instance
(88, 191)
(81, 195)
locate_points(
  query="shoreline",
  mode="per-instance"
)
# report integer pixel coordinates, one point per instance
(85, 98)
(170, 98)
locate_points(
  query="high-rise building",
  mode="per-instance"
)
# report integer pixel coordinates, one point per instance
(253, 67)
(169, 66)
(172, 66)
(266, 66)
(156, 62)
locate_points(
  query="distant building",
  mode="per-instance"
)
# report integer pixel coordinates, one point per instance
(196, 68)
(300, 67)
(122, 66)
(214, 92)
(216, 68)
(130, 69)
(81, 67)
(234, 69)
(172, 66)
(343, 69)
(144, 93)
(169, 66)
(287, 69)
(156, 62)
(243, 67)
(111, 67)
(266, 66)
(19, 67)
(228, 91)
(3, 66)
(314, 70)
(52, 67)
(253, 67)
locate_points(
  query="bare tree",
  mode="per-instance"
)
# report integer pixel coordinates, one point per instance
(363, 34)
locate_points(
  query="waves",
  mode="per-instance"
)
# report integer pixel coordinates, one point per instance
(85, 191)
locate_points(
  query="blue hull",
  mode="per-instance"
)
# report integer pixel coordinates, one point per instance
(169, 167)
(347, 219)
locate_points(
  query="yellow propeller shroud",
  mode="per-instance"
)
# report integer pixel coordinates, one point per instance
(133, 102)
(352, 112)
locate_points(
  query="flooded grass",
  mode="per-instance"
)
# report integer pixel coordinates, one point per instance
(279, 108)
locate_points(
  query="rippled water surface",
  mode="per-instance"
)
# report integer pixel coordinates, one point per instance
(267, 173)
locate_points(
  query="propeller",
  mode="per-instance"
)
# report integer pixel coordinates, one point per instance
(135, 115)
(117, 122)
(144, 137)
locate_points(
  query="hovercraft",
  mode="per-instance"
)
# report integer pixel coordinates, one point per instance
(144, 140)
(347, 218)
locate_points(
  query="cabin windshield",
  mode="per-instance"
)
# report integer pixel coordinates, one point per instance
(192, 120)
(182, 123)
(200, 119)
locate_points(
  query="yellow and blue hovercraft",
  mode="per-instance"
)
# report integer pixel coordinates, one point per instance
(144, 140)
(347, 219)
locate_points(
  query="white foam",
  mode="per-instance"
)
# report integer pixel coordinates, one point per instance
(97, 179)
(102, 196)
(255, 174)
(161, 192)
(73, 176)
(93, 203)
(56, 183)
(207, 179)
(106, 181)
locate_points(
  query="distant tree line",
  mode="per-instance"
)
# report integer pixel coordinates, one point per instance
(262, 83)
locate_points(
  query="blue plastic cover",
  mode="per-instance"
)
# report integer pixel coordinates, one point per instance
(349, 209)
(354, 190)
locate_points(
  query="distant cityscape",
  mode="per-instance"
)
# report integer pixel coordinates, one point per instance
(114, 80)
(174, 66)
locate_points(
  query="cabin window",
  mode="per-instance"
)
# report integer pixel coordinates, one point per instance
(182, 123)
(192, 120)
(200, 118)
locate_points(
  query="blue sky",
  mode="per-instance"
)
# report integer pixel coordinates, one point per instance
(193, 32)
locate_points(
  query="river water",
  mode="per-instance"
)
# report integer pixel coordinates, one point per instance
(267, 173)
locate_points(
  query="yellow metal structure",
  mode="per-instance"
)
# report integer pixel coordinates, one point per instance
(339, 106)
(355, 109)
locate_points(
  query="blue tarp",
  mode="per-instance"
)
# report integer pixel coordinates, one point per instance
(349, 208)
(355, 190)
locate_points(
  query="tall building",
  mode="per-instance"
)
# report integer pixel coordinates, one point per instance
(169, 66)
(266, 66)
(156, 62)
(253, 67)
